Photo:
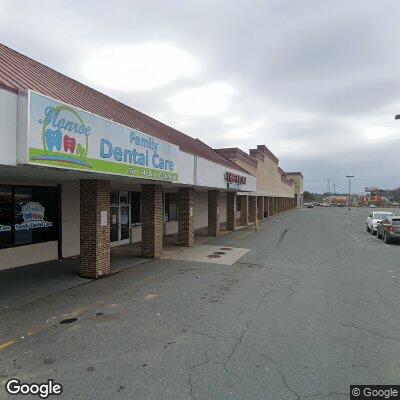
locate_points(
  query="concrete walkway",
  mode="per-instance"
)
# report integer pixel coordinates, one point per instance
(25, 284)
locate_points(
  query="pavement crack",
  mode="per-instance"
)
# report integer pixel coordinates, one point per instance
(288, 387)
(362, 330)
(261, 301)
(211, 336)
(239, 340)
(191, 369)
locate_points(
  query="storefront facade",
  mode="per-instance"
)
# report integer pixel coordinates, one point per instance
(275, 192)
(81, 173)
(74, 183)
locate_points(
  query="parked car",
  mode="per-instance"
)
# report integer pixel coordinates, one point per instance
(340, 205)
(372, 206)
(373, 218)
(310, 205)
(389, 229)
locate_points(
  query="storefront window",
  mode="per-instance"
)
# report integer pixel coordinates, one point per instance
(135, 208)
(28, 215)
(6, 217)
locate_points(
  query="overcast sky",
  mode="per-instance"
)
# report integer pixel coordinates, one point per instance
(316, 81)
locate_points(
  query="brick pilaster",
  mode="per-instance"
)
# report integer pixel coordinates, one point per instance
(252, 208)
(152, 221)
(94, 238)
(244, 210)
(213, 213)
(185, 216)
(260, 208)
(231, 211)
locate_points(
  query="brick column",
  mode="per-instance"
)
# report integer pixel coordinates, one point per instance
(185, 216)
(252, 208)
(152, 221)
(260, 208)
(231, 211)
(213, 213)
(244, 210)
(95, 228)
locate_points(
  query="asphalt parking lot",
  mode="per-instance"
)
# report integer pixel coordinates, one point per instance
(312, 308)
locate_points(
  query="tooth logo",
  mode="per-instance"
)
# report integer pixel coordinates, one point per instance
(53, 139)
(65, 137)
(69, 144)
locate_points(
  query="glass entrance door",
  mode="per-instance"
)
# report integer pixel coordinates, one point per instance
(124, 224)
(114, 225)
(120, 217)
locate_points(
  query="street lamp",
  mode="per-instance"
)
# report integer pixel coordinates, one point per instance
(349, 176)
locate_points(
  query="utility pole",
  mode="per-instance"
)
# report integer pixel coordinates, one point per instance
(349, 176)
(334, 189)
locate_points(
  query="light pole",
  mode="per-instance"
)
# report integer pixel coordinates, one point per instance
(349, 176)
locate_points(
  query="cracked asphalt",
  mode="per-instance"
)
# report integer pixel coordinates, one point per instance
(311, 309)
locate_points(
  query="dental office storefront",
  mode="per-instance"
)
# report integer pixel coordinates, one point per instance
(58, 147)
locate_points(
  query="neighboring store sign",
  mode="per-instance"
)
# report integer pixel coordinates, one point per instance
(234, 181)
(33, 216)
(62, 136)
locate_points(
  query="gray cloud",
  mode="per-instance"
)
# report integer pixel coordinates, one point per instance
(316, 81)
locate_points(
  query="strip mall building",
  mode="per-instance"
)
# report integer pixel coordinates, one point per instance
(81, 172)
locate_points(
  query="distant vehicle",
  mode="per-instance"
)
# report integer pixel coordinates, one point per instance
(340, 205)
(310, 205)
(373, 206)
(316, 204)
(325, 205)
(373, 218)
(389, 229)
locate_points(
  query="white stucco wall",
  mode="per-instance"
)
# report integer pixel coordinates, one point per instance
(8, 127)
(212, 175)
(201, 209)
(186, 164)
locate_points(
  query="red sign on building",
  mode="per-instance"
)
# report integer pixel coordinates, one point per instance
(234, 180)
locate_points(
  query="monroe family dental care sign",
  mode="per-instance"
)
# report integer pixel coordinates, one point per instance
(55, 134)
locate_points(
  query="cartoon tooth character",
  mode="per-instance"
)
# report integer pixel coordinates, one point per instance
(53, 139)
(69, 144)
